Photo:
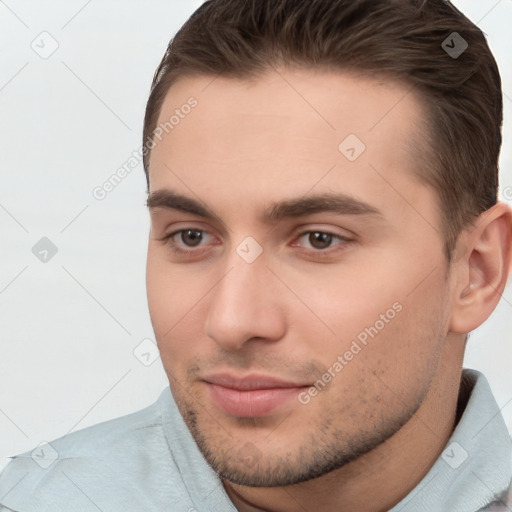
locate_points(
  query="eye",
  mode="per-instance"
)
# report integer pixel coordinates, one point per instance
(182, 239)
(190, 237)
(192, 241)
(321, 240)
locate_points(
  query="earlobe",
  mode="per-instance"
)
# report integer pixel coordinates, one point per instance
(483, 271)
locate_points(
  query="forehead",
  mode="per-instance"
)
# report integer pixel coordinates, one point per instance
(284, 106)
(284, 132)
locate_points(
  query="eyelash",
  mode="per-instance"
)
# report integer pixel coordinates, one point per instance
(188, 252)
(174, 246)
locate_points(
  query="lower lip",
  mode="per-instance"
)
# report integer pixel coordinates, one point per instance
(252, 403)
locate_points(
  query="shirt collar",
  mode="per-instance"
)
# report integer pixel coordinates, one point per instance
(475, 468)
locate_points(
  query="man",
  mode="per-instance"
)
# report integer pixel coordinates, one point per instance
(325, 232)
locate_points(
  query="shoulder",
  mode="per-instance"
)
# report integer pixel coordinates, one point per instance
(105, 463)
(100, 439)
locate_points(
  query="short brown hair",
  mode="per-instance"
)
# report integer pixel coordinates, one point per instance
(401, 39)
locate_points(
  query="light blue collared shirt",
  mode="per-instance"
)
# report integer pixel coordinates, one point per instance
(148, 461)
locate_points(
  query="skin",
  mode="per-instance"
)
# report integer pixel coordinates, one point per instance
(299, 305)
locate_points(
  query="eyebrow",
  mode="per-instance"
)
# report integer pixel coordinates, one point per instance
(340, 204)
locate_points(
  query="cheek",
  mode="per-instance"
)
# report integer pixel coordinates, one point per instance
(157, 286)
(167, 297)
(383, 356)
(176, 303)
(393, 321)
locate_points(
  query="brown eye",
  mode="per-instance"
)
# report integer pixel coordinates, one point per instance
(320, 240)
(189, 241)
(191, 237)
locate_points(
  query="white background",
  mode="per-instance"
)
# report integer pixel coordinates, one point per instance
(69, 326)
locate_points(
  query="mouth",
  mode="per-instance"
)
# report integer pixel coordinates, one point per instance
(250, 396)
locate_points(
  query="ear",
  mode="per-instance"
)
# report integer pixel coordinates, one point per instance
(482, 271)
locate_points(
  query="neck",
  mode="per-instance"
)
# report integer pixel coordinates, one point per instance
(381, 478)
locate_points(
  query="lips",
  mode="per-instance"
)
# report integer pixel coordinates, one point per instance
(252, 395)
(250, 382)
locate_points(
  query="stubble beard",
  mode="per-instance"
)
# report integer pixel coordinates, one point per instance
(323, 449)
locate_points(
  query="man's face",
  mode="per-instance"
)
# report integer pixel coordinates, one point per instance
(350, 293)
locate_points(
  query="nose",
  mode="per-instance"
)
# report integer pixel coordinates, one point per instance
(244, 305)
